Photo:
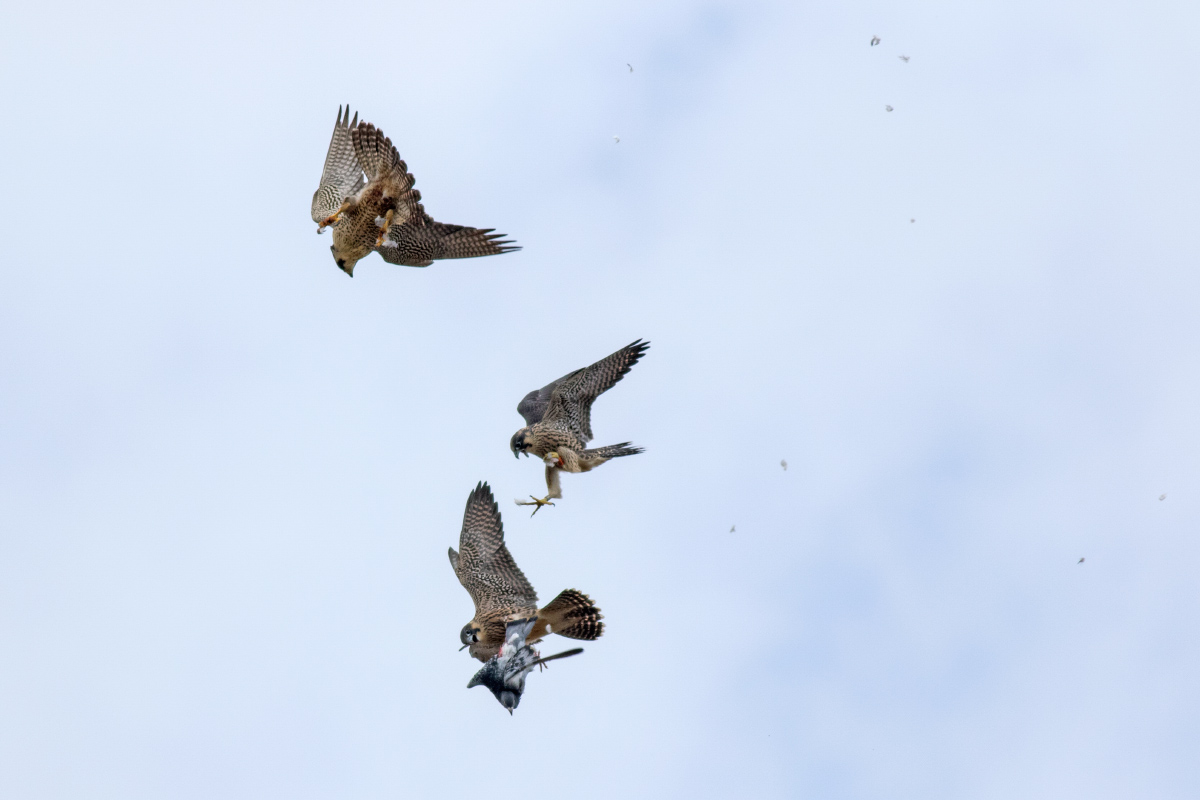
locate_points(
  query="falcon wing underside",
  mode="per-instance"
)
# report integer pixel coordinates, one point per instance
(483, 564)
(571, 399)
(342, 176)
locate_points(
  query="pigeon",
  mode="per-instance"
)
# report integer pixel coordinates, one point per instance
(1162, 497)
(733, 528)
(1080, 561)
(783, 463)
(887, 108)
(874, 40)
(617, 139)
(504, 673)
(904, 59)
(630, 67)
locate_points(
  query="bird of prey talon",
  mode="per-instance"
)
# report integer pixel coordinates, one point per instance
(502, 594)
(365, 180)
(558, 419)
(385, 224)
(545, 501)
(504, 673)
(335, 217)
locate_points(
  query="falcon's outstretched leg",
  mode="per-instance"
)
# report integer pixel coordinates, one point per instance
(553, 464)
(387, 224)
(333, 218)
(533, 501)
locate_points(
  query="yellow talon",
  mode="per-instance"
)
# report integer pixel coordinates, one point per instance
(335, 217)
(387, 223)
(536, 502)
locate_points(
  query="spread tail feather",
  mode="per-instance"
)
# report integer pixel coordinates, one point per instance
(419, 245)
(573, 614)
(461, 241)
(611, 451)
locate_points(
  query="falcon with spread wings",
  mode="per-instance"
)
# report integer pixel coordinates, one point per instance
(558, 421)
(367, 196)
(501, 592)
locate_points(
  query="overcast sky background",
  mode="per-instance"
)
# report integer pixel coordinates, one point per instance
(229, 473)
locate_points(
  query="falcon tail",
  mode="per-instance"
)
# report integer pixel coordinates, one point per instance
(602, 454)
(421, 245)
(573, 614)
(460, 241)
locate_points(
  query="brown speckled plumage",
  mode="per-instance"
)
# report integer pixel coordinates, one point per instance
(559, 419)
(364, 181)
(500, 591)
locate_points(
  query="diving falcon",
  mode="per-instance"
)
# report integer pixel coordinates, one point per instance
(366, 195)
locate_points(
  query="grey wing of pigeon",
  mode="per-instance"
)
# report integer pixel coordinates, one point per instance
(516, 632)
(517, 658)
(500, 667)
(528, 658)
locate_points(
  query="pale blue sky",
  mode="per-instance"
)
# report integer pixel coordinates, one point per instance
(229, 474)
